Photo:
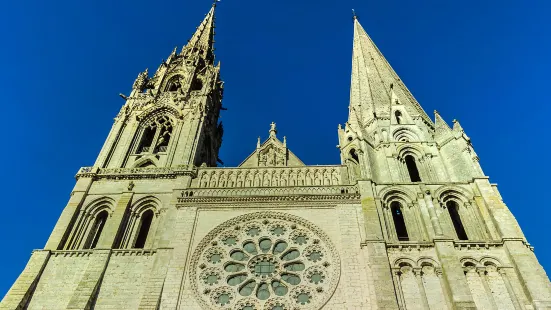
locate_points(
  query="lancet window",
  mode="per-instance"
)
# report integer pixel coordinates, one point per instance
(412, 169)
(88, 229)
(399, 221)
(453, 209)
(97, 229)
(140, 226)
(174, 84)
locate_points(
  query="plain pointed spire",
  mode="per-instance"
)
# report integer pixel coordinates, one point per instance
(374, 81)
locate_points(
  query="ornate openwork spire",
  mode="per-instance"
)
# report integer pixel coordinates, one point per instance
(202, 41)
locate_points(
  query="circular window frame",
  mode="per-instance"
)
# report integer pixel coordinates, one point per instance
(319, 292)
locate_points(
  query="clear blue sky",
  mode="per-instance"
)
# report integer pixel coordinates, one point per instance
(64, 63)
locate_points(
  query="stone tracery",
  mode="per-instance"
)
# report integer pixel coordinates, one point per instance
(265, 260)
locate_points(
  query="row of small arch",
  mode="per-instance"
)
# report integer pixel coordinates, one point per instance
(465, 262)
(89, 226)
(407, 197)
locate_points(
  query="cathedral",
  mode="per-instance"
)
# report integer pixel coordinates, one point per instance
(407, 220)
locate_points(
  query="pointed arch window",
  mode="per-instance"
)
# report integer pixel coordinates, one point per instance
(174, 84)
(399, 222)
(412, 169)
(354, 155)
(197, 84)
(453, 209)
(156, 136)
(97, 228)
(143, 230)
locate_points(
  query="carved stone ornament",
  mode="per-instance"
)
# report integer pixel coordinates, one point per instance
(265, 260)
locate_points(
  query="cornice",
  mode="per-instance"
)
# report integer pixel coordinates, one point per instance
(334, 199)
(135, 173)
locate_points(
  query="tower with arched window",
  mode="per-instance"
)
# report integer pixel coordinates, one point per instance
(406, 220)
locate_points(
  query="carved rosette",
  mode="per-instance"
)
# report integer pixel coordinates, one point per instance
(265, 261)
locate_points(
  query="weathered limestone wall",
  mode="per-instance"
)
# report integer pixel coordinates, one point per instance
(124, 281)
(340, 223)
(59, 281)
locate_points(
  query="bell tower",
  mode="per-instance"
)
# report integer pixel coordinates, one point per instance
(171, 118)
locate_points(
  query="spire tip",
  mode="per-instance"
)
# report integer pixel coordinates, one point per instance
(354, 16)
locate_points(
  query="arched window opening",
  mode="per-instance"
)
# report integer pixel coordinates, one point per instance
(354, 156)
(197, 84)
(412, 169)
(398, 116)
(143, 230)
(156, 136)
(147, 138)
(399, 222)
(453, 209)
(174, 84)
(165, 132)
(96, 230)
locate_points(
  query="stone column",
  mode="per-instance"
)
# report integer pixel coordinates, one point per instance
(418, 276)
(433, 216)
(398, 288)
(113, 225)
(484, 279)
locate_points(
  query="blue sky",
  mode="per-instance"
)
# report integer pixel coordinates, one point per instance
(64, 63)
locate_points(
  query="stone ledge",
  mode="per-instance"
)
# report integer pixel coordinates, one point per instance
(134, 173)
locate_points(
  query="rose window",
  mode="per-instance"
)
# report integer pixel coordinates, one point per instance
(265, 261)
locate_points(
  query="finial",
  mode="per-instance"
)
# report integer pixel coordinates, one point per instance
(284, 141)
(214, 2)
(258, 143)
(273, 130)
(354, 16)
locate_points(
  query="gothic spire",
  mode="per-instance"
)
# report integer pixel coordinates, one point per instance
(202, 41)
(374, 83)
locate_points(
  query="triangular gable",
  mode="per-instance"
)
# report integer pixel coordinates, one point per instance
(272, 153)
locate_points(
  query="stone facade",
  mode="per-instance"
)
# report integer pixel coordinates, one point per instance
(408, 220)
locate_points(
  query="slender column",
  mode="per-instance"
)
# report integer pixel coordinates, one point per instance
(433, 215)
(113, 224)
(131, 231)
(418, 274)
(484, 279)
(510, 290)
(398, 287)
